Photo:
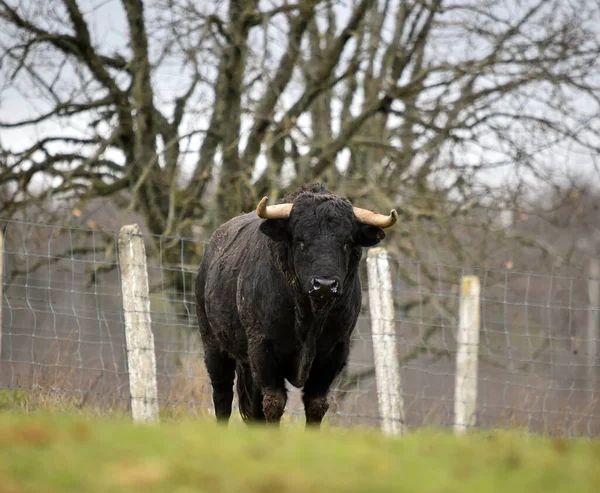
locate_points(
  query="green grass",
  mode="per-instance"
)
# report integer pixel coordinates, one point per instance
(54, 453)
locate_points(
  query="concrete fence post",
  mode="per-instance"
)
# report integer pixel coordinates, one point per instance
(387, 368)
(467, 355)
(141, 359)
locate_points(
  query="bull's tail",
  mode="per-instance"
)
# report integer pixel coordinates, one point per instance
(245, 390)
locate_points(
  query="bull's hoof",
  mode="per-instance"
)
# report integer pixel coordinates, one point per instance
(315, 409)
(273, 406)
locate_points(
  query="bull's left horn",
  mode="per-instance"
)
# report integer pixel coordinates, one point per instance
(279, 211)
(369, 217)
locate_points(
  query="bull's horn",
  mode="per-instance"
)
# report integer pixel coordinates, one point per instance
(279, 211)
(369, 217)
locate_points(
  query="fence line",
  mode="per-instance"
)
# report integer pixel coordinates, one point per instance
(64, 335)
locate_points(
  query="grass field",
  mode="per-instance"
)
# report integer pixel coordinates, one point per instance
(52, 453)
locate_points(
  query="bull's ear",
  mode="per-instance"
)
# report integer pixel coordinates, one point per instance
(276, 229)
(368, 236)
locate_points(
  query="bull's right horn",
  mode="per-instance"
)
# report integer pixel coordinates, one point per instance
(279, 211)
(369, 217)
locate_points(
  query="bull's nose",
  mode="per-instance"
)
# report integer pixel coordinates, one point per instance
(324, 287)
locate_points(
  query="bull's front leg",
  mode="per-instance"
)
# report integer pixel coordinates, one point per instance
(322, 374)
(268, 375)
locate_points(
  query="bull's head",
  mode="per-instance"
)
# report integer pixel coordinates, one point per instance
(324, 235)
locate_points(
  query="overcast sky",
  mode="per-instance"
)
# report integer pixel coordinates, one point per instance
(106, 19)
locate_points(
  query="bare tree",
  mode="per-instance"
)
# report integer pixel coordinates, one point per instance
(399, 93)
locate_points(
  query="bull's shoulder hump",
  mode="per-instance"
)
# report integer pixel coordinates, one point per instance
(237, 233)
(234, 226)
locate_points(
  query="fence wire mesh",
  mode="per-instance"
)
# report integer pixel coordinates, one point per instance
(63, 337)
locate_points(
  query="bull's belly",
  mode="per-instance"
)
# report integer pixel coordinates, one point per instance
(236, 347)
(293, 380)
(230, 337)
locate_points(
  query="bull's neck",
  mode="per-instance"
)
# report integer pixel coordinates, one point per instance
(279, 256)
(309, 317)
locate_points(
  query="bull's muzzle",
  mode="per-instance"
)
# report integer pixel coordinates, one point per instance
(324, 287)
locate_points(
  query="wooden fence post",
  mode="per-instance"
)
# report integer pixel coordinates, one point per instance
(141, 359)
(1, 283)
(467, 355)
(592, 332)
(387, 368)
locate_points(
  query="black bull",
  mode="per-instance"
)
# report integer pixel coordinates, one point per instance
(278, 295)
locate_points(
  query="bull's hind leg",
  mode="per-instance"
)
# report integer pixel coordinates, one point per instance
(221, 370)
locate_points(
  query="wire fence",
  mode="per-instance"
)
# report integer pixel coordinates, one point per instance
(63, 341)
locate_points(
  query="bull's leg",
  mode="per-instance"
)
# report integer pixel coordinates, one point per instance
(220, 367)
(268, 376)
(221, 370)
(316, 388)
(273, 404)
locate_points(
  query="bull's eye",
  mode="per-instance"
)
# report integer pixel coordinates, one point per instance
(301, 245)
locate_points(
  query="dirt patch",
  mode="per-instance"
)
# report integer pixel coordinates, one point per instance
(139, 474)
(34, 435)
